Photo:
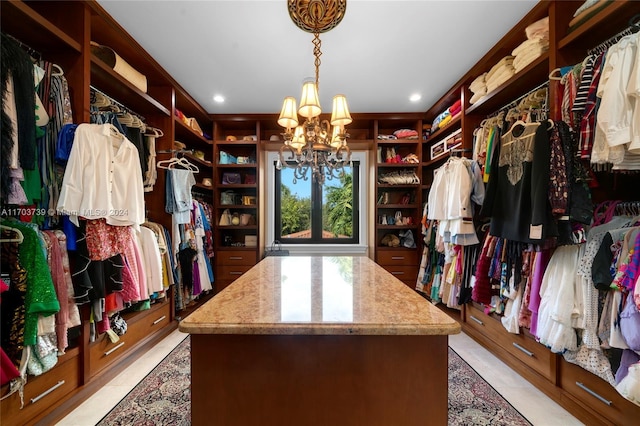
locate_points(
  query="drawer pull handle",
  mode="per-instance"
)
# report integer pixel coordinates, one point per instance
(397, 257)
(235, 273)
(397, 273)
(594, 394)
(115, 348)
(523, 349)
(476, 319)
(47, 392)
(235, 257)
(159, 319)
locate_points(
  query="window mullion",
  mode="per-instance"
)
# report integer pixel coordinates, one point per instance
(316, 212)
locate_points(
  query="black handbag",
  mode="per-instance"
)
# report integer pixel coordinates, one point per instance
(276, 250)
(231, 178)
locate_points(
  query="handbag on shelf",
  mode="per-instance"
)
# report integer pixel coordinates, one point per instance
(247, 219)
(231, 178)
(119, 65)
(225, 218)
(229, 198)
(193, 124)
(276, 250)
(226, 158)
(248, 200)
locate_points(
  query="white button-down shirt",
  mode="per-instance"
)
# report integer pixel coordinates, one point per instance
(103, 178)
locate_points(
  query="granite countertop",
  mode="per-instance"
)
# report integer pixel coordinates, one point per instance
(318, 295)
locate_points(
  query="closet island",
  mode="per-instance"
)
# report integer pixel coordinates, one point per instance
(318, 340)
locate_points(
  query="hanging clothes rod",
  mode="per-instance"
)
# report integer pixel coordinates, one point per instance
(118, 104)
(634, 26)
(175, 151)
(517, 101)
(30, 50)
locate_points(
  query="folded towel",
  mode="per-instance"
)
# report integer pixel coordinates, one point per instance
(525, 59)
(500, 79)
(525, 62)
(498, 73)
(455, 111)
(477, 96)
(478, 83)
(530, 44)
(445, 121)
(507, 60)
(538, 30)
(455, 105)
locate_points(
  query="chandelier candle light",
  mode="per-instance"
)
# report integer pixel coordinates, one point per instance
(315, 144)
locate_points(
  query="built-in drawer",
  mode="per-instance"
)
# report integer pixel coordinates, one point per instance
(406, 274)
(42, 392)
(398, 257)
(236, 257)
(597, 395)
(231, 272)
(104, 352)
(403, 273)
(523, 347)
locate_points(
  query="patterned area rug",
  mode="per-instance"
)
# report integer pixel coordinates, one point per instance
(163, 397)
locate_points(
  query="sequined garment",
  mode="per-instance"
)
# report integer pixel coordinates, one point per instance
(12, 312)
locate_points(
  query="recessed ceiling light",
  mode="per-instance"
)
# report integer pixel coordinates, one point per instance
(415, 97)
(218, 98)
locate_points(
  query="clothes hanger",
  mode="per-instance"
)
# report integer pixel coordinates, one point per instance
(57, 70)
(152, 131)
(553, 76)
(190, 166)
(167, 164)
(19, 238)
(550, 124)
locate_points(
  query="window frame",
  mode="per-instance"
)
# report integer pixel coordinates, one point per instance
(317, 210)
(268, 201)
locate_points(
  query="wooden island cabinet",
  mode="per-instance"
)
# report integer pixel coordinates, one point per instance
(317, 341)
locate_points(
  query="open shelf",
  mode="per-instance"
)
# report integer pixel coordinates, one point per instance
(186, 134)
(528, 78)
(610, 20)
(35, 30)
(107, 80)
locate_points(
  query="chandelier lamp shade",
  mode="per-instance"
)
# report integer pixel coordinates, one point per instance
(318, 146)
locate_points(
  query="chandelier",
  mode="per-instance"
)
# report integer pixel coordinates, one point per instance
(315, 145)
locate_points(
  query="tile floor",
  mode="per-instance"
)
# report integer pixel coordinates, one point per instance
(539, 409)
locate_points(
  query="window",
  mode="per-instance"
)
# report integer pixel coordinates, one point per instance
(307, 212)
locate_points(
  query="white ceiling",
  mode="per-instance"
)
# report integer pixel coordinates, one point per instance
(382, 52)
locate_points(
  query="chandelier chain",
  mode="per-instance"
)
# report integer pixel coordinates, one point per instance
(317, 53)
(317, 148)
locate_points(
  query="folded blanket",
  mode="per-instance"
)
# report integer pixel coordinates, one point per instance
(587, 4)
(588, 13)
(456, 105)
(455, 111)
